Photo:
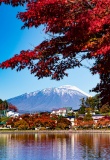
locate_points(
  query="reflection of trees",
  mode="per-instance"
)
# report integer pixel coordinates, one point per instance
(59, 146)
(93, 145)
(50, 144)
(3, 142)
(43, 138)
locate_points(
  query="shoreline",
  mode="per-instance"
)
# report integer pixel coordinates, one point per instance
(55, 131)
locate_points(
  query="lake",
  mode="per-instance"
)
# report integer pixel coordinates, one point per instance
(49, 146)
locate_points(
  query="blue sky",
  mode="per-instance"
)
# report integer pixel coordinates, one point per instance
(12, 41)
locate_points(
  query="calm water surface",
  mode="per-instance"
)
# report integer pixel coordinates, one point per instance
(70, 146)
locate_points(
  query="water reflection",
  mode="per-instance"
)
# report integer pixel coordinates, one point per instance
(39, 146)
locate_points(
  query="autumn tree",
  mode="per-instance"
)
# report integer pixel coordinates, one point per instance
(103, 122)
(63, 123)
(79, 122)
(12, 107)
(21, 124)
(12, 120)
(46, 123)
(77, 29)
(105, 108)
(88, 124)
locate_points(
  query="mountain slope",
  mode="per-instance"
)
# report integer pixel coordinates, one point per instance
(50, 98)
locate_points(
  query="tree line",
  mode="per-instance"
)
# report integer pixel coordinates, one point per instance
(4, 105)
(93, 104)
(40, 121)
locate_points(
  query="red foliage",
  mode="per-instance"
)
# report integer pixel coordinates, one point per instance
(76, 26)
(103, 122)
(12, 107)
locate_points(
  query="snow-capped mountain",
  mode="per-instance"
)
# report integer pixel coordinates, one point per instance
(49, 98)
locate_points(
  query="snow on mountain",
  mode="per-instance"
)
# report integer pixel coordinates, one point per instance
(49, 98)
(69, 87)
(31, 94)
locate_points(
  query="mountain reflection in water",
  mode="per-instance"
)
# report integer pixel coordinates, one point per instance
(48, 146)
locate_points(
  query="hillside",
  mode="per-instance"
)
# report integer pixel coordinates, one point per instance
(49, 98)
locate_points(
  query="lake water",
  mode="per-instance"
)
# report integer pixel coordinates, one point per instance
(70, 146)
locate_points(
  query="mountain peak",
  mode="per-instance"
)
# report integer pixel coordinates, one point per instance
(49, 98)
(69, 87)
(74, 88)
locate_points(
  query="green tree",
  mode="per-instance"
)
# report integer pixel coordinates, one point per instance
(3, 107)
(88, 117)
(90, 103)
(96, 101)
(83, 107)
